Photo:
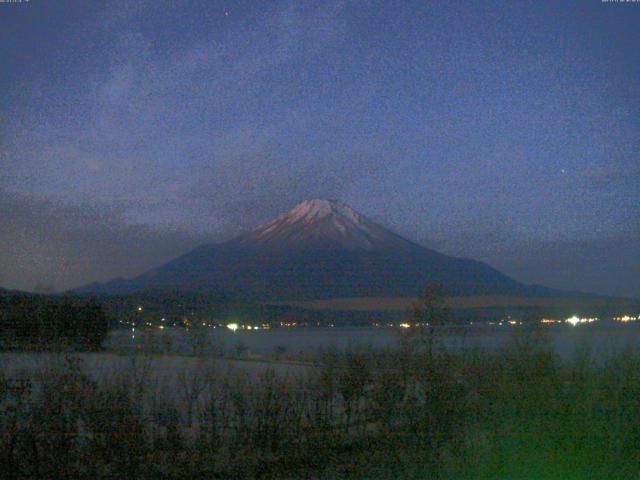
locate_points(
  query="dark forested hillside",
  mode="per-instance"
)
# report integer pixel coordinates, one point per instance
(41, 322)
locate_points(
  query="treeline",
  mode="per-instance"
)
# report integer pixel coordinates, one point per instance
(35, 321)
(403, 413)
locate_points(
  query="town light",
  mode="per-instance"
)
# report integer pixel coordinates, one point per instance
(573, 320)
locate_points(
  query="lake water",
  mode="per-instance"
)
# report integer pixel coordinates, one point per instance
(603, 337)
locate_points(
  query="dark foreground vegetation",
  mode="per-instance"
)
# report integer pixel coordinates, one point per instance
(44, 322)
(412, 412)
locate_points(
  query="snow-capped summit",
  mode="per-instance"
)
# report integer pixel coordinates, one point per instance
(320, 223)
(318, 208)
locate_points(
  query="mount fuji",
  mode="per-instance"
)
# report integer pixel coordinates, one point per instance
(320, 249)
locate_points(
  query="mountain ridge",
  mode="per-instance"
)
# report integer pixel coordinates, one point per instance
(320, 249)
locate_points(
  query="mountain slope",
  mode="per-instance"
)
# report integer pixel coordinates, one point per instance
(320, 249)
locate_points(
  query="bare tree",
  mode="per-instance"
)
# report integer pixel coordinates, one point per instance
(353, 379)
(429, 311)
(193, 380)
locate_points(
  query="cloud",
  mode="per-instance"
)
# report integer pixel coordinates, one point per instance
(161, 115)
(606, 266)
(53, 245)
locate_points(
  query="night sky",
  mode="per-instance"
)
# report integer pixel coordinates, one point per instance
(505, 131)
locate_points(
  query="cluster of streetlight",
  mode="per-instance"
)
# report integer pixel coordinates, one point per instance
(234, 327)
(573, 320)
